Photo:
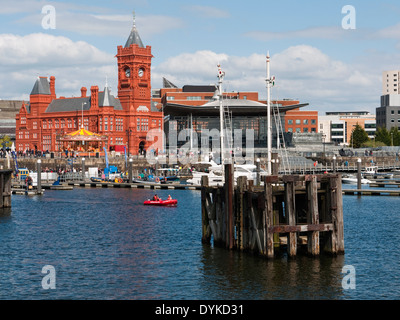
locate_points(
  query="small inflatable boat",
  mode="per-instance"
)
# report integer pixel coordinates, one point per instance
(166, 203)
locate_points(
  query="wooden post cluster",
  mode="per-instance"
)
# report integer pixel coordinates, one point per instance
(5, 188)
(296, 212)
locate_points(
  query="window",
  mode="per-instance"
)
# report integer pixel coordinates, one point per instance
(56, 124)
(44, 124)
(34, 125)
(290, 121)
(69, 123)
(305, 121)
(313, 121)
(23, 120)
(105, 123)
(392, 111)
(298, 121)
(313, 130)
(298, 130)
(290, 129)
(193, 98)
(50, 124)
(138, 124)
(305, 130)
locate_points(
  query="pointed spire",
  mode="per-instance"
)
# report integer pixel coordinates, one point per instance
(106, 98)
(134, 37)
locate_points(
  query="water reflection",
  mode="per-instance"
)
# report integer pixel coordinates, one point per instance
(236, 275)
(105, 244)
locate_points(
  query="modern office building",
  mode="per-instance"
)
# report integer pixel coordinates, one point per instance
(337, 126)
(242, 111)
(388, 114)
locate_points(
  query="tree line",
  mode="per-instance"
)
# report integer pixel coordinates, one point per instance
(383, 137)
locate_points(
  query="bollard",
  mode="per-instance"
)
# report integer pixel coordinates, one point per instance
(83, 170)
(39, 176)
(334, 164)
(358, 173)
(130, 170)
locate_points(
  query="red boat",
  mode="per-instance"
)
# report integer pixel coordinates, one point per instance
(165, 203)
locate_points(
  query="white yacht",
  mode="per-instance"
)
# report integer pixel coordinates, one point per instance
(215, 176)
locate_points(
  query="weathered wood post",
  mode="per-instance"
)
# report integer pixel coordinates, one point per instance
(269, 216)
(241, 211)
(258, 169)
(275, 164)
(290, 207)
(206, 237)
(313, 247)
(5, 188)
(358, 173)
(229, 185)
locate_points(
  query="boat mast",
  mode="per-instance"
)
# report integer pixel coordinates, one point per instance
(269, 138)
(221, 75)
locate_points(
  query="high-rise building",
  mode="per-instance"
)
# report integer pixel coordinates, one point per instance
(388, 114)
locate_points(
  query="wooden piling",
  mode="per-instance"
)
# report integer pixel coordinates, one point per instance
(5, 188)
(292, 212)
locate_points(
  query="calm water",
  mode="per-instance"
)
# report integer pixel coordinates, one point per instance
(104, 244)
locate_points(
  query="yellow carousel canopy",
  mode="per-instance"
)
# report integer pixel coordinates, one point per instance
(83, 135)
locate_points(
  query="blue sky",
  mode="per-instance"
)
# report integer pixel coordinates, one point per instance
(313, 58)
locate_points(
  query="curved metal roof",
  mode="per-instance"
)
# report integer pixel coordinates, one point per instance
(238, 107)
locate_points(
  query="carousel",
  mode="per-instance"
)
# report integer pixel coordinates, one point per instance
(83, 142)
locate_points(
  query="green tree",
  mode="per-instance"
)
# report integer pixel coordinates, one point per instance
(5, 142)
(358, 136)
(383, 135)
(387, 137)
(394, 136)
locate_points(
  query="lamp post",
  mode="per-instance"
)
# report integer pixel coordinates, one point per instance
(82, 114)
(128, 132)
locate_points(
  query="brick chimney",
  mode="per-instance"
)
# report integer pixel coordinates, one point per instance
(94, 99)
(53, 87)
(83, 92)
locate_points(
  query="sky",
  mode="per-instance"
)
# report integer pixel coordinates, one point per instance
(323, 53)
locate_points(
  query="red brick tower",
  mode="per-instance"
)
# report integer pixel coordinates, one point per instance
(134, 87)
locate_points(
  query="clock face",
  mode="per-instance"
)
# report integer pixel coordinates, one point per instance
(141, 72)
(128, 73)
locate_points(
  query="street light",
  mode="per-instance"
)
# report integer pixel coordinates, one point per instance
(82, 114)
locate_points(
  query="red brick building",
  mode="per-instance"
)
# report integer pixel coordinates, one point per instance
(125, 120)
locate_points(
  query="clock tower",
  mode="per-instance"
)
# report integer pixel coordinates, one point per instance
(134, 88)
(134, 73)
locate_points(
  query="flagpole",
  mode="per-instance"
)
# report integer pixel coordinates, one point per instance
(269, 138)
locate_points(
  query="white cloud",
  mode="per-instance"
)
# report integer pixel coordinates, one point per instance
(321, 32)
(208, 12)
(74, 64)
(302, 72)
